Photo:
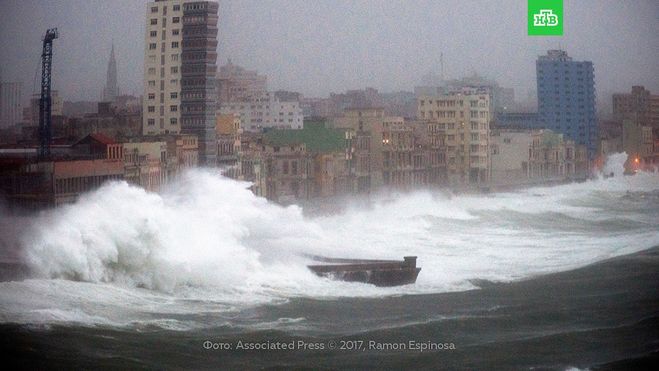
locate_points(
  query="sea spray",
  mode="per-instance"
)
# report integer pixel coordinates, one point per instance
(207, 244)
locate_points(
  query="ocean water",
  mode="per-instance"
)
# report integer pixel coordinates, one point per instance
(208, 247)
(206, 256)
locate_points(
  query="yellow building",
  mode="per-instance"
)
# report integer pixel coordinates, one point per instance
(229, 130)
(465, 118)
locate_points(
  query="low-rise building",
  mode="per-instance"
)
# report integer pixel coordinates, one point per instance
(510, 152)
(638, 143)
(27, 183)
(553, 158)
(145, 164)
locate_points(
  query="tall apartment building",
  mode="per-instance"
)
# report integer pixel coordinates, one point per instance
(465, 118)
(640, 105)
(566, 98)
(10, 104)
(180, 67)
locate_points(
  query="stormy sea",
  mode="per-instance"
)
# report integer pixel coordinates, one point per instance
(205, 275)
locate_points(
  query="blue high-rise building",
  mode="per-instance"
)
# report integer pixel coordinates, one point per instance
(566, 98)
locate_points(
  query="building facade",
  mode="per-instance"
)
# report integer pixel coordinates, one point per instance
(639, 105)
(465, 118)
(235, 83)
(228, 140)
(265, 111)
(552, 157)
(516, 121)
(510, 156)
(11, 110)
(180, 68)
(638, 143)
(566, 98)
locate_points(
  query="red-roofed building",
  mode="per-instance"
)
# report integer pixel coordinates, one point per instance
(98, 146)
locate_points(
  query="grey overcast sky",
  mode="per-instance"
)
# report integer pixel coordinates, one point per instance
(322, 46)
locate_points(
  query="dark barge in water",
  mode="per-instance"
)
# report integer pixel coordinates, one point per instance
(381, 273)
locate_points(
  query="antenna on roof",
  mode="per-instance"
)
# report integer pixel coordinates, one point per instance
(441, 62)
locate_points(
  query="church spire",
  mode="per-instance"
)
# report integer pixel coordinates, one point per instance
(111, 90)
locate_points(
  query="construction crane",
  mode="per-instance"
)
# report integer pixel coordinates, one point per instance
(45, 103)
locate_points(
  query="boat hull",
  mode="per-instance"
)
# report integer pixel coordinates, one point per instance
(383, 273)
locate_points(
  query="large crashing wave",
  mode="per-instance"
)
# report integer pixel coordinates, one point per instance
(211, 235)
(203, 230)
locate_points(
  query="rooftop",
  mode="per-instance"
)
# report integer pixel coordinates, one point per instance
(315, 135)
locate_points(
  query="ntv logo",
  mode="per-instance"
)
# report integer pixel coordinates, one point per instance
(546, 18)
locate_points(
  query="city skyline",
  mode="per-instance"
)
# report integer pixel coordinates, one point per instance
(378, 52)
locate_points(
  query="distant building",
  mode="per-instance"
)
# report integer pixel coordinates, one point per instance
(180, 92)
(516, 121)
(640, 105)
(111, 90)
(236, 83)
(402, 104)
(11, 110)
(566, 98)
(265, 111)
(501, 99)
(317, 107)
(56, 107)
(365, 98)
(121, 125)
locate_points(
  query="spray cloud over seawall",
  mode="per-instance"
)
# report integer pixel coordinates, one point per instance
(209, 240)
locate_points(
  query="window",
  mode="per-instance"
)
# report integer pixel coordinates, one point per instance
(173, 108)
(152, 109)
(152, 71)
(173, 121)
(152, 83)
(151, 122)
(152, 46)
(152, 96)
(174, 44)
(174, 69)
(175, 32)
(154, 21)
(176, 20)
(154, 9)
(174, 57)
(173, 95)
(153, 33)
(173, 81)
(177, 8)
(152, 59)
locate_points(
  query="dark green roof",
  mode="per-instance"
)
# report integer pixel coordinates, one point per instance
(315, 135)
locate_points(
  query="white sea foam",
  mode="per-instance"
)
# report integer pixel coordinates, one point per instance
(207, 245)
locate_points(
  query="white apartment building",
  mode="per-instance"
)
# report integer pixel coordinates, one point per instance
(265, 111)
(162, 68)
(179, 71)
